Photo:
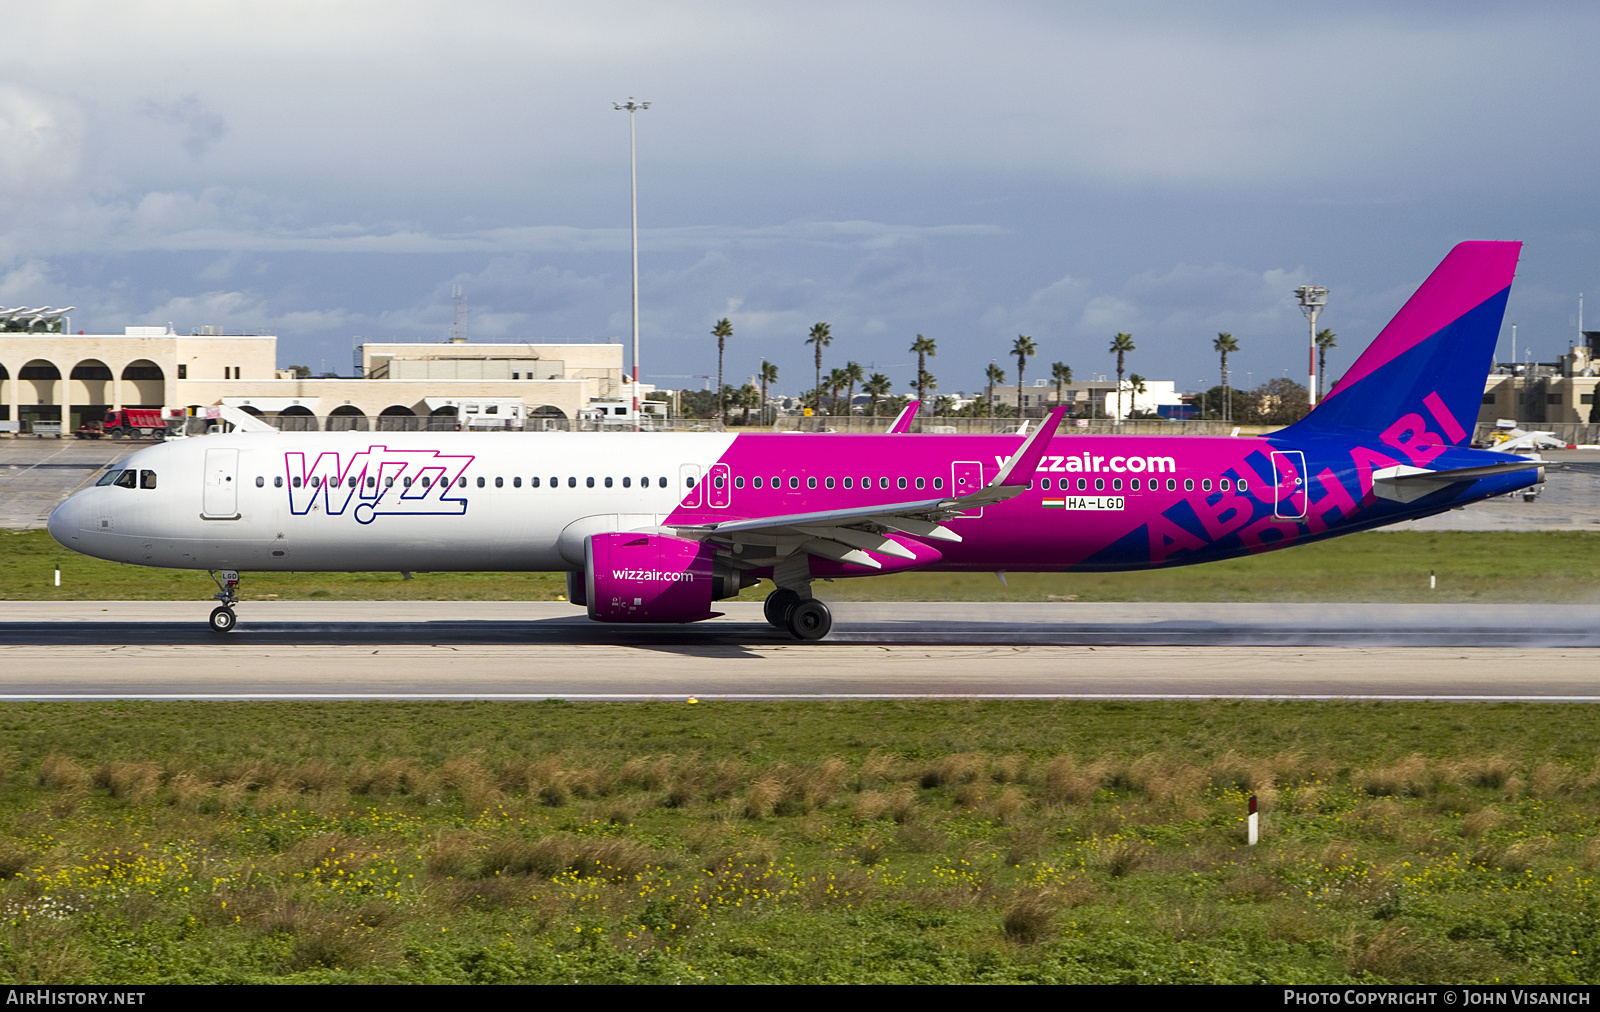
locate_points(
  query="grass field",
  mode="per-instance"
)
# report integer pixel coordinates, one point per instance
(1380, 566)
(906, 842)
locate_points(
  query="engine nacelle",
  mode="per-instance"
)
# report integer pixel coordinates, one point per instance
(653, 578)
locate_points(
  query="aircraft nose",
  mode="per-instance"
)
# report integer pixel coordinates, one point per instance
(66, 520)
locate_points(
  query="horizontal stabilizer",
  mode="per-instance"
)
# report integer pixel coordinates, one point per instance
(1408, 484)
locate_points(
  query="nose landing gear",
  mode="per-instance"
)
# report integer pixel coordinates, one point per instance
(223, 619)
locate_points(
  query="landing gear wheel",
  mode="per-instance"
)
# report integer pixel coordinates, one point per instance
(223, 619)
(777, 607)
(810, 620)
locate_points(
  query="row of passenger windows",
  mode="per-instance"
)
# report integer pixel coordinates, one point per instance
(1154, 484)
(129, 478)
(126, 479)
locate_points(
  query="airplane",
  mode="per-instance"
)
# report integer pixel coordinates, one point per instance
(658, 527)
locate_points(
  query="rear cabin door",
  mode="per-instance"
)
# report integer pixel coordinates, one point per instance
(966, 477)
(221, 500)
(1290, 466)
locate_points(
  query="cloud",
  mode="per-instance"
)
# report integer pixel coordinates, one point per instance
(201, 126)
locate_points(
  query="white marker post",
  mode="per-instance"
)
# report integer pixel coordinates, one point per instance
(1254, 822)
(58, 576)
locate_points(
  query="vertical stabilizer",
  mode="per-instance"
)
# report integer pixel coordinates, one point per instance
(1425, 371)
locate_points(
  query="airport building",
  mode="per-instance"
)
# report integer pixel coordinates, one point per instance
(50, 377)
(1545, 392)
(1097, 398)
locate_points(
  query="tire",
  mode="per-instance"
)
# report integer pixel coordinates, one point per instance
(223, 620)
(810, 620)
(777, 607)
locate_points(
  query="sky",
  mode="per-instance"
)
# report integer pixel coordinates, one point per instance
(331, 172)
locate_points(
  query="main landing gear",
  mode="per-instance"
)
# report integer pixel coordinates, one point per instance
(803, 618)
(223, 619)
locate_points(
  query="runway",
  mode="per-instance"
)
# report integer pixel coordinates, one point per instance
(525, 650)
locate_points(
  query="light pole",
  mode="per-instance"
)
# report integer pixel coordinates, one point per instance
(1313, 300)
(631, 107)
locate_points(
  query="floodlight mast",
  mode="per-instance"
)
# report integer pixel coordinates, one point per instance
(1313, 299)
(631, 107)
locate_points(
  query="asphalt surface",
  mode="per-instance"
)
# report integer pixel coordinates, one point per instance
(513, 650)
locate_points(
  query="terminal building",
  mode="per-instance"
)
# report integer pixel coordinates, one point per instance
(52, 376)
(1545, 392)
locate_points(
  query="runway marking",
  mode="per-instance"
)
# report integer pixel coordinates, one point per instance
(622, 697)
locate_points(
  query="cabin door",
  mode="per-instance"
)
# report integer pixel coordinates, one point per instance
(966, 477)
(1290, 466)
(221, 496)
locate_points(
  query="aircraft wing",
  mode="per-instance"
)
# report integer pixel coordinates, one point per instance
(902, 422)
(848, 535)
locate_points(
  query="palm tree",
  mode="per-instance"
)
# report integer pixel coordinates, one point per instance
(996, 377)
(820, 338)
(1120, 346)
(1135, 387)
(1325, 339)
(1061, 373)
(876, 386)
(1022, 347)
(924, 347)
(853, 375)
(768, 374)
(746, 399)
(1224, 344)
(722, 331)
(836, 379)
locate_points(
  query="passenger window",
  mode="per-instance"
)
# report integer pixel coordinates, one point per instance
(352, 480)
(388, 483)
(1116, 484)
(1133, 483)
(572, 482)
(1099, 484)
(608, 481)
(737, 482)
(755, 482)
(1205, 484)
(1172, 484)
(811, 482)
(108, 478)
(516, 482)
(500, 482)
(127, 479)
(372, 482)
(938, 483)
(627, 482)
(777, 482)
(588, 482)
(261, 482)
(1188, 484)
(1083, 484)
(662, 482)
(480, 481)
(147, 479)
(1242, 486)
(849, 483)
(688, 482)
(277, 482)
(1222, 483)
(883, 482)
(533, 482)
(901, 483)
(461, 482)
(794, 481)
(718, 481)
(829, 481)
(426, 482)
(923, 483)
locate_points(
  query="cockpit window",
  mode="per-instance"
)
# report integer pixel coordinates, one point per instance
(147, 479)
(127, 479)
(109, 477)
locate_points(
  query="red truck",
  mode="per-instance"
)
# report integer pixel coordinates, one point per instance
(126, 424)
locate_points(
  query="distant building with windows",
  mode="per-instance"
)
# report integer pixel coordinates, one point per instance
(1559, 391)
(50, 375)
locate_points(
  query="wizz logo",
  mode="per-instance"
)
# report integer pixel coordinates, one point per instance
(376, 482)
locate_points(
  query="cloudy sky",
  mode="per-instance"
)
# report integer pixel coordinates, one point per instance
(971, 172)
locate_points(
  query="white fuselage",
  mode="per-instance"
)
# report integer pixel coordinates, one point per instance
(230, 501)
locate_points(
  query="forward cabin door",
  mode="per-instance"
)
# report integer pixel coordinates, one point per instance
(689, 486)
(1290, 466)
(221, 496)
(966, 477)
(719, 487)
